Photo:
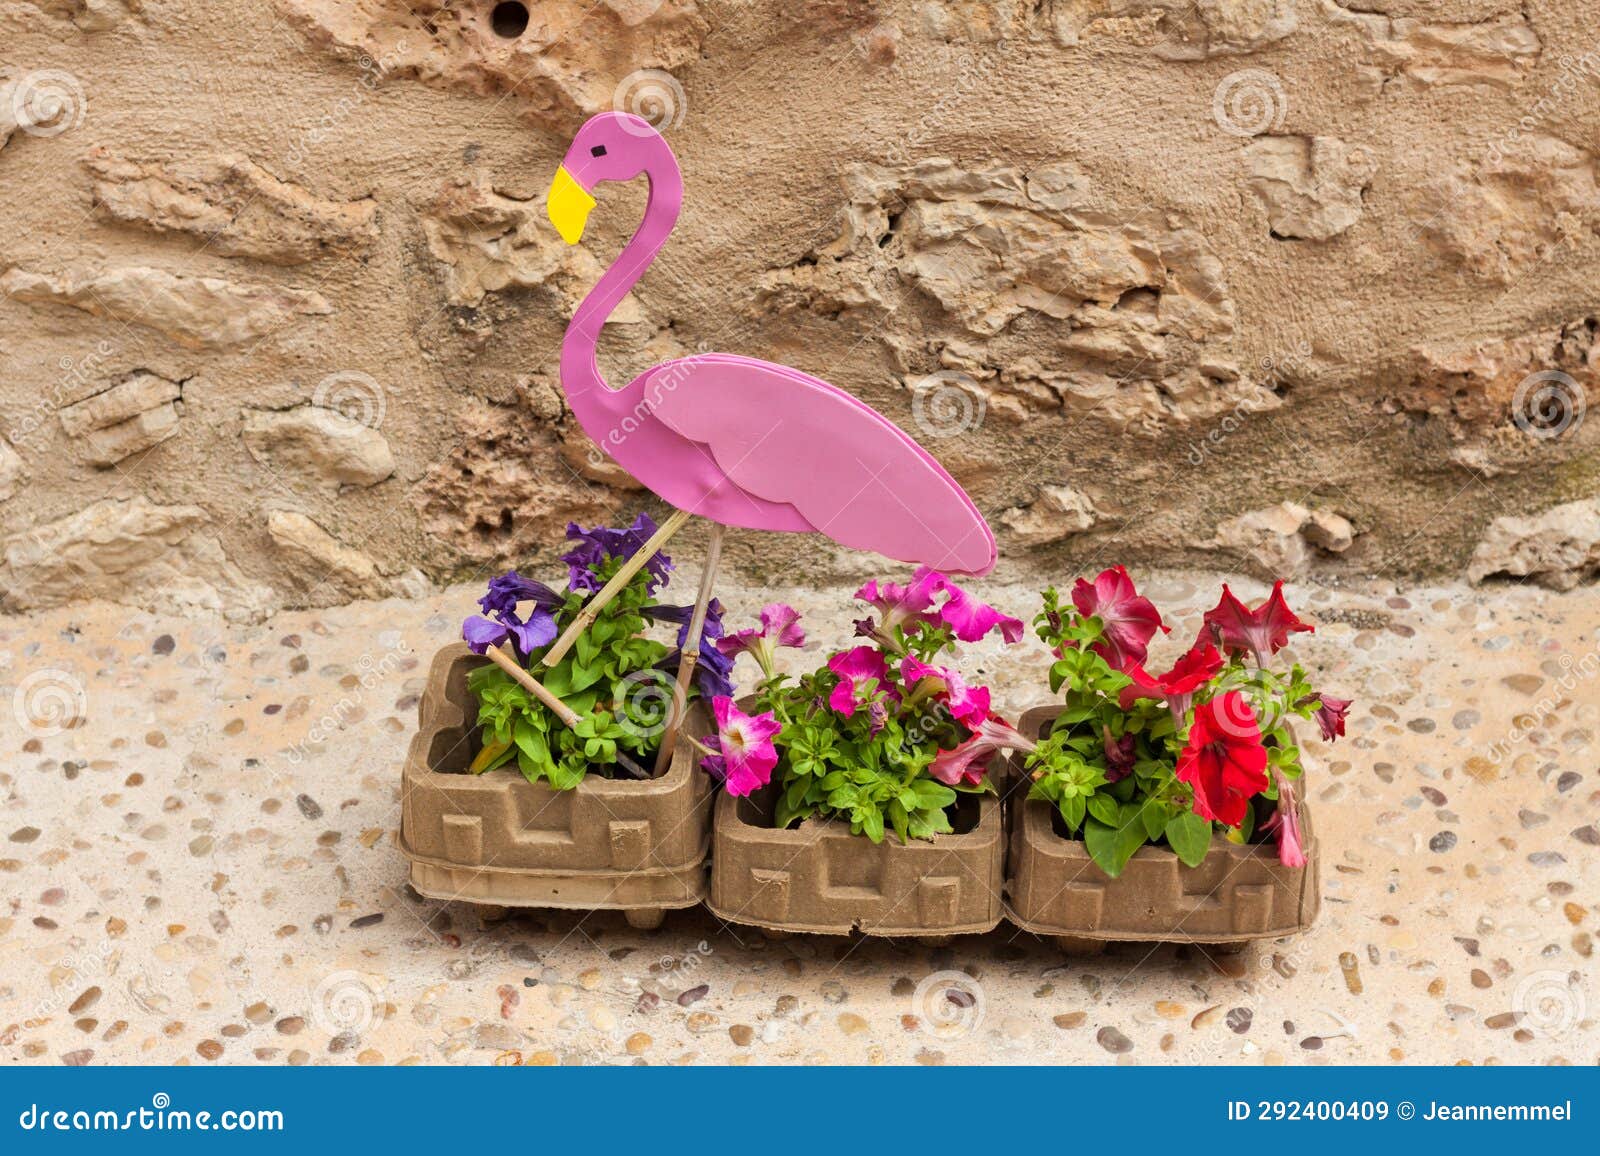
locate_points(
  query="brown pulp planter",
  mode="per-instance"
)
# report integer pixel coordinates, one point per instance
(638, 846)
(819, 878)
(1238, 893)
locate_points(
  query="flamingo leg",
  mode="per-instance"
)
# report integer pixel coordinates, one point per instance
(543, 693)
(689, 653)
(611, 589)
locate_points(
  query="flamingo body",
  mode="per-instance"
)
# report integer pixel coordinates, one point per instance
(745, 442)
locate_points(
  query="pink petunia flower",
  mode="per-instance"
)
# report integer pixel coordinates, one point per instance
(902, 605)
(855, 668)
(1128, 620)
(747, 753)
(969, 761)
(969, 704)
(1285, 823)
(780, 626)
(972, 619)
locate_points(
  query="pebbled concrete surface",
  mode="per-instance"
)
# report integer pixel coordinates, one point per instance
(201, 868)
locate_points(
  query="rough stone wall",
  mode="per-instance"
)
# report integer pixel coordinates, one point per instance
(1281, 285)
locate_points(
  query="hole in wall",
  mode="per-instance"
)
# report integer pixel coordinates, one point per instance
(509, 20)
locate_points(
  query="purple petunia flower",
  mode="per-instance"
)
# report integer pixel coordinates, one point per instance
(536, 633)
(713, 667)
(501, 621)
(511, 588)
(594, 547)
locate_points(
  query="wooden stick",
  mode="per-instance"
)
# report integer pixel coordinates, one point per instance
(612, 588)
(689, 655)
(560, 709)
(532, 685)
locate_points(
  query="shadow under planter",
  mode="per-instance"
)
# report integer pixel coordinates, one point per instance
(638, 846)
(821, 879)
(1237, 894)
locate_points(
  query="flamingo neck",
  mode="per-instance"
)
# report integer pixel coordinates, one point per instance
(593, 402)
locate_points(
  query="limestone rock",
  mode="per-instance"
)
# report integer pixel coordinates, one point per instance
(1514, 209)
(129, 551)
(320, 561)
(126, 419)
(322, 444)
(504, 495)
(487, 242)
(1558, 548)
(1279, 539)
(8, 115)
(1199, 31)
(1499, 51)
(238, 208)
(1173, 29)
(572, 59)
(12, 473)
(590, 461)
(1035, 291)
(1475, 386)
(1058, 512)
(1311, 186)
(195, 312)
(91, 15)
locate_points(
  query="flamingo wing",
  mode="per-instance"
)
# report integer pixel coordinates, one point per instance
(787, 438)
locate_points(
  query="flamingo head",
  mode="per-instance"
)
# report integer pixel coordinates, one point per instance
(613, 146)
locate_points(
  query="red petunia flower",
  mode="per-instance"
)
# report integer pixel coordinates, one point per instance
(1223, 759)
(1121, 754)
(1128, 620)
(1262, 631)
(1176, 688)
(1330, 716)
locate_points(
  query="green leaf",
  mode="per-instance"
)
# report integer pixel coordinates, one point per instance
(1104, 808)
(531, 770)
(933, 796)
(565, 776)
(1072, 810)
(1112, 847)
(1189, 836)
(1154, 815)
(531, 746)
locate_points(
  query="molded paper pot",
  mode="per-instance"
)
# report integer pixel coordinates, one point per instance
(1238, 893)
(820, 878)
(633, 845)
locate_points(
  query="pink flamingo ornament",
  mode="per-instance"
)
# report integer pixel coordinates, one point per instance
(739, 441)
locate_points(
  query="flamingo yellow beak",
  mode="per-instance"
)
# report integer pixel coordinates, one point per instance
(568, 206)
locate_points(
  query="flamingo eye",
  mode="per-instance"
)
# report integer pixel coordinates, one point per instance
(598, 151)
